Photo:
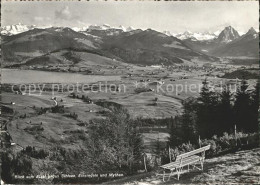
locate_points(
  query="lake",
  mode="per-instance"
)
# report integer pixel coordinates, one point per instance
(16, 76)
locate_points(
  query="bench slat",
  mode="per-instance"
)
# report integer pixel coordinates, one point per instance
(193, 152)
(185, 161)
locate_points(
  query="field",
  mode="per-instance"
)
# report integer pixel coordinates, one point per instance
(146, 92)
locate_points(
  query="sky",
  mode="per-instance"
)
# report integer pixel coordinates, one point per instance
(173, 16)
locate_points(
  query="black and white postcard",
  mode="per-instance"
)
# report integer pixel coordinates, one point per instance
(129, 92)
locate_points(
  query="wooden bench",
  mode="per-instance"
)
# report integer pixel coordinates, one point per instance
(187, 159)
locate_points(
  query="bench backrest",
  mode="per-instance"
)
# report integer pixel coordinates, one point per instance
(188, 154)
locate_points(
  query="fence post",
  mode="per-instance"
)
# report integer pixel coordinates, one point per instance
(199, 141)
(145, 163)
(170, 154)
(236, 134)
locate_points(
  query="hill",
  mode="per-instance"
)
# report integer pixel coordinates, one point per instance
(150, 47)
(37, 42)
(135, 46)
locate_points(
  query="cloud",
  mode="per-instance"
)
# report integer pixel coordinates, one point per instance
(65, 14)
(7, 11)
(82, 23)
(25, 13)
(41, 19)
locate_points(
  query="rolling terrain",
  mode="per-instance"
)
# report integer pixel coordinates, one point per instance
(139, 47)
(35, 46)
(38, 42)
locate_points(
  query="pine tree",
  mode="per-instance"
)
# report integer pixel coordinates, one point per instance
(207, 119)
(189, 121)
(253, 125)
(225, 112)
(242, 109)
(176, 137)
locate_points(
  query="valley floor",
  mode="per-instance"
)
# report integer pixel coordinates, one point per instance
(240, 167)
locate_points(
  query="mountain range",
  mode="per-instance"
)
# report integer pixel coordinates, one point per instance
(195, 36)
(21, 44)
(228, 44)
(245, 45)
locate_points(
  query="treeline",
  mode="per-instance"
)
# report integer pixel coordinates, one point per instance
(14, 164)
(214, 113)
(242, 73)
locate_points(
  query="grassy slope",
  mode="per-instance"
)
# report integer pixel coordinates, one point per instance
(239, 167)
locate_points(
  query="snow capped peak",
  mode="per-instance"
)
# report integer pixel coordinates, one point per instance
(122, 28)
(168, 33)
(78, 29)
(44, 27)
(217, 32)
(99, 27)
(241, 32)
(130, 28)
(208, 33)
(15, 29)
(187, 32)
(107, 27)
(196, 36)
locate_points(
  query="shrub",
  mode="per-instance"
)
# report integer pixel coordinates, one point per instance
(14, 164)
(34, 128)
(227, 141)
(58, 109)
(142, 89)
(213, 147)
(86, 99)
(37, 154)
(184, 148)
(74, 116)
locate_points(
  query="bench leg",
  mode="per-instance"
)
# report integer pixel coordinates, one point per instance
(178, 170)
(163, 175)
(170, 175)
(188, 167)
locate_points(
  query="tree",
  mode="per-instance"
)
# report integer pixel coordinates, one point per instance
(254, 104)
(189, 121)
(225, 112)
(242, 111)
(207, 119)
(176, 136)
(115, 141)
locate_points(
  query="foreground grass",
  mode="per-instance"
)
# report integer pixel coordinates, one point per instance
(239, 167)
